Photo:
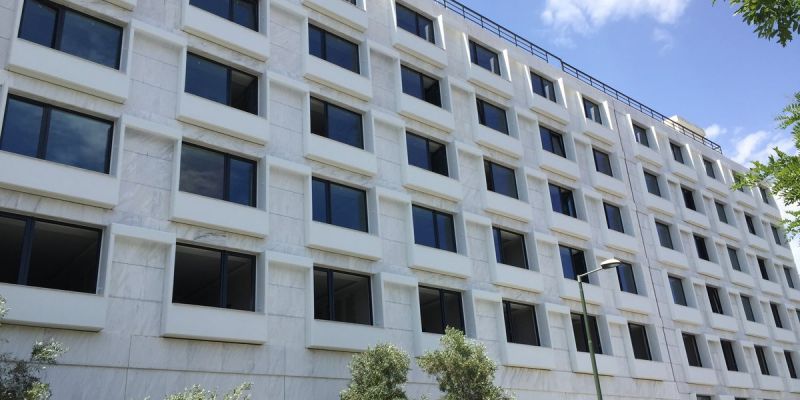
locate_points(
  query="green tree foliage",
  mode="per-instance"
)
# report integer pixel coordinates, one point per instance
(771, 18)
(198, 393)
(462, 369)
(378, 374)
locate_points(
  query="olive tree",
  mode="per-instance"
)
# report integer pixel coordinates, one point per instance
(378, 374)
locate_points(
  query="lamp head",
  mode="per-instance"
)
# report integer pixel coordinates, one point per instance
(610, 263)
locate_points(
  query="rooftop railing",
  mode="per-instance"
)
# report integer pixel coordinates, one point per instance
(550, 58)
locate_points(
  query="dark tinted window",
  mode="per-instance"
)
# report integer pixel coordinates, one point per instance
(579, 330)
(592, 111)
(500, 179)
(492, 116)
(242, 12)
(333, 48)
(677, 152)
(641, 135)
(214, 174)
(336, 123)
(729, 354)
(709, 167)
(776, 235)
(562, 201)
(651, 181)
(421, 86)
(702, 250)
(776, 315)
(342, 296)
(427, 154)
(790, 364)
(509, 248)
(433, 229)
(58, 27)
(414, 22)
(714, 300)
(214, 278)
(751, 226)
(49, 254)
(688, 198)
(613, 218)
(692, 351)
(521, 324)
(627, 279)
(573, 262)
(66, 137)
(639, 341)
(543, 87)
(339, 205)
(761, 355)
(748, 309)
(602, 162)
(733, 254)
(482, 56)
(552, 141)
(220, 83)
(764, 194)
(678, 294)
(789, 277)
(762, 267)
(440, 309)
(721, 214)
(664, 235)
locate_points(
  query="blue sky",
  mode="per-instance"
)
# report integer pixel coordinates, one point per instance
(682, 57)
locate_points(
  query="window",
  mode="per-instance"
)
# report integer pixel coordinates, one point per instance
(563, 201)
(573, 262)
(602, 162)
(613, 218)
(336, 123)
(483, 57)
(492, 116)
(736, 178)
(761, 355)
(764, 194)
(592, 111)
(221, 83)
(57, 27)
(751, 227)
(677, 152)
(414, 22)
(218, 175)
(789, 277)
(339, 205)
(639, 341)
(627, 279)
(678, 294)
(543, 87)
(748, 309)
(776, 235)
(664, 235)
(721, 214)
(333, 48)
(776, 315)
(651, 180)
(242, 12)
(688, 198)
(552, 141)
(500, 179)
(733, 255)
(50, 133)
(427, 154)
(434, 229)
(692, 351)
(790, 364)
(521, 324)
(703, 397)
(641, 135)
(421, 86)
(714, 300)
(342, 297)
(579, 330)
(54, 255)
(702, 250)
(730, 355)
(214, 278)
(440, 309)
(762, 267)
(509, 248)
(709, 167)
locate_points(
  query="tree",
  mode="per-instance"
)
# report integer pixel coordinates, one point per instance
(378, 374)
(771, 18)
(462, 369)
(198, 393)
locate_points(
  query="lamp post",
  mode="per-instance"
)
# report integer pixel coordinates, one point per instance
(607, 264)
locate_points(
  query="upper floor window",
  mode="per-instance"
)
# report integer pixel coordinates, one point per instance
(613, 218)
(776, 235)
(702, 249)
(709, 167)
(751, 226)
(714, 300)
(733, 254)
(677, 152)
(640, 342)
(342, 296)
(492, 116)
(790, 364)
(433, 229)
(53, 255)
(592, 111)
(692, 350)
(339, 205)
(521, 324)
(776, 315)
(602, 162)
(721, 214)
(640, 134)
(748, 309)
(509, 248)
(483, 57)
(242, 12)
(414, 22)
(678, 293)
(543, 87)
(688, 198)
(214, 278)
(573, 262)
(664, 235)
(500, 179)
(789, 277)
(439, 309)
(762, 267)
(737, 177)
(764, 194)
(427, 154)
(218, 175)
(333, 48)
(421, 86)
(50, 133)
(58, 27)
(563, 201)
(761, 355)
(651, 181)
(552, 141)
(221, 83)
(579, 330)
(336, 123)
(729, 354)
(627, 279)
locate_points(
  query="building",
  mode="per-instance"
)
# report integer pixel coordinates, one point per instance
(206, 194)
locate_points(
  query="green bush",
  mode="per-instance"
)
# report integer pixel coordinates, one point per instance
(378, 374)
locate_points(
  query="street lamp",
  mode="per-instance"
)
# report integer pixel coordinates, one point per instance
(607, 264)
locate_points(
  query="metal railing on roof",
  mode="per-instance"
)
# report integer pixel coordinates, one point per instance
(526, 45)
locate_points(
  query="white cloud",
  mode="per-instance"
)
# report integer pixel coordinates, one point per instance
(715, 130)
(757, 146)
(664, 39)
